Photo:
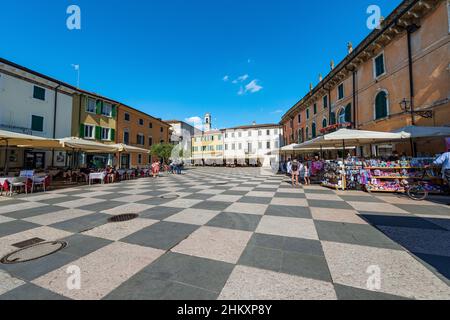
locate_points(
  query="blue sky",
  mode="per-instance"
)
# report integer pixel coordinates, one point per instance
(170, 58)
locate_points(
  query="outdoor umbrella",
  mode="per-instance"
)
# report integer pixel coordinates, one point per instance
(120, 147)
(425, 132)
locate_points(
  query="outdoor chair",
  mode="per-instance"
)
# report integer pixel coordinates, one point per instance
(18, 183)
(42, 182)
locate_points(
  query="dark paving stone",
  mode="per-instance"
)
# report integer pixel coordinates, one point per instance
(81, 245)
(400, 221)
(159, 213)
(234, 193)
(199, 196)
(437, 264)
(245, 222)
(212, 205)
(329, 204)
(34, 269)
(82, 224)
(157, 201)
(425, 210)
(267, 241)
(202, 273)
(363, 235)
(271, 189)
(28, 213)
(263, 258)
(58, 200)
(351, 293)
(112, 196)
(290, 195)
(360, 199)
(163, 235)
(255, 200)
(289, 211)
(319, 191)
(30, 291)
(143, 287)
(11, 201)
(314, 267)
(16, 226)
(303, 246)
(154, 193)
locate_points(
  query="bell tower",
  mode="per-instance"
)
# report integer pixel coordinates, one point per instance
(207, 122)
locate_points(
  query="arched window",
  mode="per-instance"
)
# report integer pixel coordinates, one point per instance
(324, 123)
(307, 134)
(313, 130)
(333, 118)
(341, 116)
(300, 136)
(381, 105)
(348, 113)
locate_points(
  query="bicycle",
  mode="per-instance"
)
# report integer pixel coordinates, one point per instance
(416, 190)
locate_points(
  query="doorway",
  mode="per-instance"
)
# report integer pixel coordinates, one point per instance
(34, 160)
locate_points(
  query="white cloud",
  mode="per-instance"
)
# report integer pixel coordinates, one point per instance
(253, 87)
(197, 122)
(243, 78)
(226, 78)
(241, 91)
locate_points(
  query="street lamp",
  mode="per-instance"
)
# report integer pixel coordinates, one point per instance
(405, 105)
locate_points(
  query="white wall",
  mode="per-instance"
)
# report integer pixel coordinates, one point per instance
(17, 106)
(240, 154)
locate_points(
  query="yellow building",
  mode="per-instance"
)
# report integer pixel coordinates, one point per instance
(207, 148)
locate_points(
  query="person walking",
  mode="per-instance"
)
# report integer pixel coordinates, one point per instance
(289, 167)
(295, 169)
(307, 174)
(444, 162)
(155, 168)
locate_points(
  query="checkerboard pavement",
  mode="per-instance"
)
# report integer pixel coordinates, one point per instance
(230, 234)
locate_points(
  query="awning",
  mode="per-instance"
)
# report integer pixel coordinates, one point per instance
(18, 139)
(425, 132)
(86, 145)
(129, 149)
(353, 137)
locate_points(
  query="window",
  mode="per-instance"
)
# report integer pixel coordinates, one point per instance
(240, 146)
(232, 134)
(301, 138)
(37, 123)
(149, 158)
(260, 132)
(140, 139)
(139, 158)
(39, 93)
(106, 134)
(381, 105)
(324, 123)
(341, 91)
(307, 133)
(379, 68)
(250, 133)
(89, 131)
(219, 148)
(240, 134)
(250, 147)
(333, 118)
(325, 102)
(259, 145)
(299, 118)
(348, 113)
(91, 105)
(268, 145)
(307, 113)
(107, 109)
(341, 117)
(141, 122)
(127, 117)
(150, 141)
(126, 137)
(161, 129)
(226, 147)
(268, 133)
(315, 108)
(150, 125)
(233, 146)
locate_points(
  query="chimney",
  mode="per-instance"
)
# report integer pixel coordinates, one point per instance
(332, 64)
(349, 47)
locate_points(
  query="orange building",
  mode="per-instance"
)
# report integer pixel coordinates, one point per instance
(136, 128)
(398, 76)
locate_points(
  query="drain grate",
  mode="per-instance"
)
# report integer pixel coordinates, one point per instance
(170, 196)
(123, 217)
(33, 252)
(28, 243)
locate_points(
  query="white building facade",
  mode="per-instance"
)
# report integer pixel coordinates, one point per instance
(182, 134)
(255, 145)
(37, 105)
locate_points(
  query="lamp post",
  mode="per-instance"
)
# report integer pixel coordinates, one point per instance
(405, 105)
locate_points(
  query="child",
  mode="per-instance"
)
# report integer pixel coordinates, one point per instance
(307, 180)
(155, 169)
(295, 172)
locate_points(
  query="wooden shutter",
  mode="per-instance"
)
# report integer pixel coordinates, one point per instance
(114, 111)
(81, 131)
(98, 133)
(99, 105)
(113, 134)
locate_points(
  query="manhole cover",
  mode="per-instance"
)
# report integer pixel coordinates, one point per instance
(170, 196)
(33, 252)
(123, 217)
(28, 243)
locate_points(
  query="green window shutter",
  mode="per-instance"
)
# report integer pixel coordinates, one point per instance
(37, 123)
(333, 118)
(99, 106)
(381, 105)
(114, 111)
(348, 113)
(98, 133)
(113, 135)
(81, 131)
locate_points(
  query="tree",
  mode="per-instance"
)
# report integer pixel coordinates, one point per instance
(162, 151)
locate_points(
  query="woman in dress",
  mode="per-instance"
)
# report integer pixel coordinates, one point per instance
(155, 168)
